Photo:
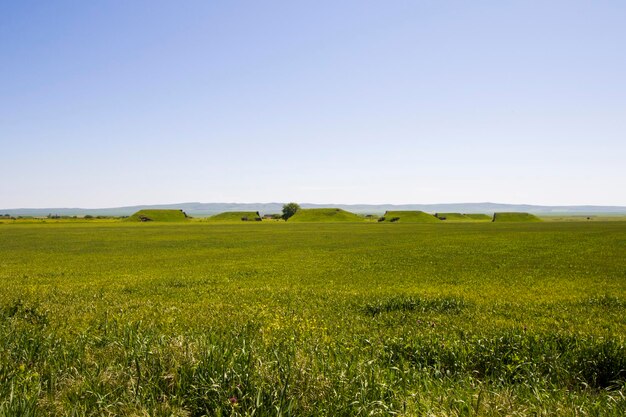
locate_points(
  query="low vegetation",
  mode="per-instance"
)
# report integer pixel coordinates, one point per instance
(307, 319)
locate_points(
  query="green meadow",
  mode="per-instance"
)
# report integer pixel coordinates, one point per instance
(306, 319)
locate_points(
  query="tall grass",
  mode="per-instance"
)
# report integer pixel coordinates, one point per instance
(307, 320)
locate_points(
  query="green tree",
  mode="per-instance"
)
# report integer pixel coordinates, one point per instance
(290, 209)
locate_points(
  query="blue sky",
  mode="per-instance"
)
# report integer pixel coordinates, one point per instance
(117, 103)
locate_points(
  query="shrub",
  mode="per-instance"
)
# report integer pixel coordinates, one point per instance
(289, 210)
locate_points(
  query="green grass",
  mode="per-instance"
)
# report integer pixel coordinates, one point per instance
(158, 216)
(409, 217)
(583, 217)
(515, 217)
(325, 215)
(308, 319)
(460, 217)
(236, 216)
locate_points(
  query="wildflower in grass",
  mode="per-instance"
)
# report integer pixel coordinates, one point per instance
(233, 400)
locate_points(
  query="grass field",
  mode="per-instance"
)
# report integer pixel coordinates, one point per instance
(341, 319)
(584, 218)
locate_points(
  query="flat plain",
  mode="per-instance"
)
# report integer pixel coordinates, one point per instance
(458, 319)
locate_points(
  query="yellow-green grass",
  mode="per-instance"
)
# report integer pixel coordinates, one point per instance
(409, 217)
(306, 319)
(158, 216)
(460, 217)
(41, 220)
(235, 216)
(515, 217)
(323, 215)
(583, 217)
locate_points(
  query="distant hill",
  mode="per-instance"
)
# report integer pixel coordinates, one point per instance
(209, 209)
(515, 217)
(158, 216)
(236, 216)
(324, 215)
(408, 216)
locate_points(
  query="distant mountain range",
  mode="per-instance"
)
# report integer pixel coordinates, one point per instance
(207, 209)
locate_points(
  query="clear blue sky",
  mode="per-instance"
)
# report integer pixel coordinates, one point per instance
(109, 103)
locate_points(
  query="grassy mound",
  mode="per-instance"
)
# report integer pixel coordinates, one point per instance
(515, 217)
(236, 216)
(325, 215)
(478, 216)
(408, 217)
(158, 216)
(459, 217)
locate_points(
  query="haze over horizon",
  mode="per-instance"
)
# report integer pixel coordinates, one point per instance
(114, 104)
(325, 204)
